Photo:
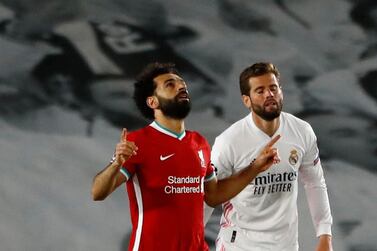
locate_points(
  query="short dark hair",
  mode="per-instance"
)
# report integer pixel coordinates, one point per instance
(368, 83)
(362, 14)
(255, 70)
(145, 86)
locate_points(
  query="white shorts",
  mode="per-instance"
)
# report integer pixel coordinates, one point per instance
(235, 239)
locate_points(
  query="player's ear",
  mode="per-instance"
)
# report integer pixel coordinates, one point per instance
(152, 102)
(246, 101)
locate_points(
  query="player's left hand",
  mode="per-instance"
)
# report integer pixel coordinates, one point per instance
(324, 243)
(268, 156)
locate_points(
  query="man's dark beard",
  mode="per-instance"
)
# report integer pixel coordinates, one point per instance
(268, 116)
(174, 108)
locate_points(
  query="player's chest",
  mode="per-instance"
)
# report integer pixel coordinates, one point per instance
(291, 157)
(180, 159)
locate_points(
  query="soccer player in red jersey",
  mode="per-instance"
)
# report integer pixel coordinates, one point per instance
(167, 169)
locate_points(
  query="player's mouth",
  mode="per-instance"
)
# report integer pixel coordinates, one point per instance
(270, 103)
(183, 95)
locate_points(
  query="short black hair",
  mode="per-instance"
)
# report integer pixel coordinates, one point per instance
(255, 70)
(368, 83)
(362, 14)
(145, 86)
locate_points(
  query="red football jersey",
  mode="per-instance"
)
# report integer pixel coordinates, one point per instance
(165, 189)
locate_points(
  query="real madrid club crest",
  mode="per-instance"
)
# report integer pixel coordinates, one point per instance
(293, 158)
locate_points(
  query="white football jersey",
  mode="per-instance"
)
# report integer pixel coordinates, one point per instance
(267, 208)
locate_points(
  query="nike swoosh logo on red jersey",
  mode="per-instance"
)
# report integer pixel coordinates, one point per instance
(162, 158)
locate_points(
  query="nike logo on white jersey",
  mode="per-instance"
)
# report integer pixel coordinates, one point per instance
(162, 158)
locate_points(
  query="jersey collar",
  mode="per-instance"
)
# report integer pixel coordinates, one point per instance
(253, 126)
(168, 132)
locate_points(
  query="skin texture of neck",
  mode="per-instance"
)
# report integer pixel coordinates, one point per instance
(268, 127)
(175, 125)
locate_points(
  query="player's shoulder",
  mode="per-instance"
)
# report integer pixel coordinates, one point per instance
(297, 126)
(234, 130)
(195, 136)
(198, 140)
(138, 134)
(295, 121)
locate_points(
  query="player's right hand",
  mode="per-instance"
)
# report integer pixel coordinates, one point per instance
(268, 156)
(124, 149)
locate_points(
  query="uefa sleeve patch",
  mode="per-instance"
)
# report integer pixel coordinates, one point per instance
(214, 168)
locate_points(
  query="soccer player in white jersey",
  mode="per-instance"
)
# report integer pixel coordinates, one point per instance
(264, 215)
(167, 169)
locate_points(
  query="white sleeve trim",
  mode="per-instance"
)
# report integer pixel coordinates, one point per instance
(210, 177)
(125, 173)
(324, 229)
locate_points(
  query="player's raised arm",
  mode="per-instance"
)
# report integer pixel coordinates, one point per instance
(220, 191)
(106, 181)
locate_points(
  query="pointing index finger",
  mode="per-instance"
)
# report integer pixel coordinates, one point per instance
(273, 141)
(123, 135)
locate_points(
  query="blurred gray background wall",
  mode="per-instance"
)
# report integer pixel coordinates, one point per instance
(66, 74)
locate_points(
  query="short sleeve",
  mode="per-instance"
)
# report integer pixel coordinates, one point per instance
(221, 158)
(210, 170)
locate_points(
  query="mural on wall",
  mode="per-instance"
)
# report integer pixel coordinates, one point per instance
(66, 80)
